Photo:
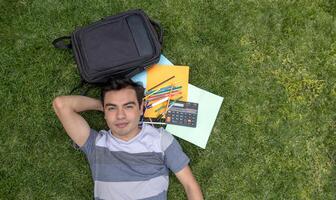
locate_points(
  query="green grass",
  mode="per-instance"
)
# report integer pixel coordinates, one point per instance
(274, 62)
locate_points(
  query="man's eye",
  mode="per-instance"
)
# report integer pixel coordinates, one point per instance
(110, 108)
(129, 107)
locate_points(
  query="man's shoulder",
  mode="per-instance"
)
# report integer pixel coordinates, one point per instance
(91, 142)
(100, 134)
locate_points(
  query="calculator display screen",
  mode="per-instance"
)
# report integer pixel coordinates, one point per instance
(179, 105)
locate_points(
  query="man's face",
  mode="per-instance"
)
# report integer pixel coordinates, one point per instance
(122, 113)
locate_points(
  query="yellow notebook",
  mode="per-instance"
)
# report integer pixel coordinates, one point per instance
(158, 73)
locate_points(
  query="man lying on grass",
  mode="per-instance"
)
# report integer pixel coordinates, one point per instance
(127, 162)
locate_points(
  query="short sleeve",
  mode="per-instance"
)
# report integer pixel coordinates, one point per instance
(175, 158)
(89, 145)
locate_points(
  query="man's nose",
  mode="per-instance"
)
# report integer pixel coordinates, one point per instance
(121, 114)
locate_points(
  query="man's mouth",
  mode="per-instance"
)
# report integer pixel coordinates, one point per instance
(121, 125)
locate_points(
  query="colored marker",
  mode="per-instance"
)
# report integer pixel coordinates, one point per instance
(158, 102)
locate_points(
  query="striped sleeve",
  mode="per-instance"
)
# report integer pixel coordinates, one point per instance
(89, 145)
(174, 157)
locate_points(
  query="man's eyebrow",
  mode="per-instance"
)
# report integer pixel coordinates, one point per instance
(125, 104)
(110, 104)
(129, 103)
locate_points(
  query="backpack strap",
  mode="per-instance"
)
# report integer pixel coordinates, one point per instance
(59, 43)
(80, 85)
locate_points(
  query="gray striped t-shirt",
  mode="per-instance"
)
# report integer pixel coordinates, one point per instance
(134, 169)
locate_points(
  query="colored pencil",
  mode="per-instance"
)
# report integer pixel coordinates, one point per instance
(169, 98)
(171, 102)
(161, 91)
(166, 90)
(164, 95)
(161, 83)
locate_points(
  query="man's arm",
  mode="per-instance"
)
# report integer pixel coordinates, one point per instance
(67, 109)
(189, 183)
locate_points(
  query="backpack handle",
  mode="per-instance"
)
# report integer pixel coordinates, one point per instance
(59, 43)
(159, 30)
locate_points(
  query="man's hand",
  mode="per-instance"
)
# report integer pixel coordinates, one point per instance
(67, 109)
(189, 183)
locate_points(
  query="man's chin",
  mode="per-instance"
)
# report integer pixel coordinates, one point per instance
(120, 131)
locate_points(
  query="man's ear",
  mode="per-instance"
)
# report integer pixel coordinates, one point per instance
(104, 113)
(142, 108)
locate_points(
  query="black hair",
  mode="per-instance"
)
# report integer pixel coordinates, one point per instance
(118, 84)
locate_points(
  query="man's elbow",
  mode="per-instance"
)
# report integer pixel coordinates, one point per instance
(58, 103)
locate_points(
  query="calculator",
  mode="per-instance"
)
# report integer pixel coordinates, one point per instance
(182, 113)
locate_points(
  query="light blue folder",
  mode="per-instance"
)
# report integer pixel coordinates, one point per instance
(208, 107)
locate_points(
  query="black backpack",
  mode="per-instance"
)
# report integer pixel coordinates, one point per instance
(114, 47)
